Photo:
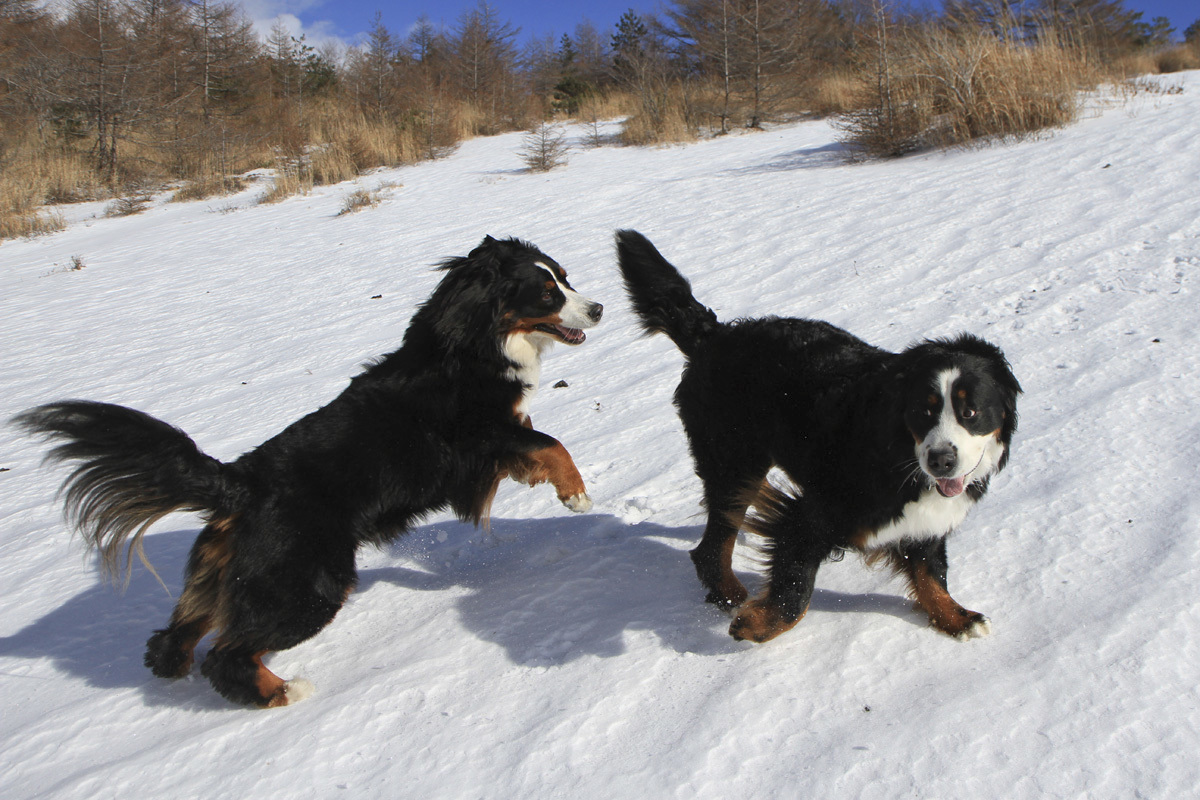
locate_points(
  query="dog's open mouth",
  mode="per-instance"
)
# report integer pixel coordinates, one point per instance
(562, 333)
(953, 487)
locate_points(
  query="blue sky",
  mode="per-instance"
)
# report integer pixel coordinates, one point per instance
(347, 20)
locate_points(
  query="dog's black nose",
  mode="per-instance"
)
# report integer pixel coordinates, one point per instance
(595, 311)
(942, 461)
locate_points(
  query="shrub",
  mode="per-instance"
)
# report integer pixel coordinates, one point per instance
(1177, 59)
(358, 200)
(128, 205)
(939, 88)
(544, 147)
(203, 188)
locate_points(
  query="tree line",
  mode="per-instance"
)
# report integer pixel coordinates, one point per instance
(104, 96)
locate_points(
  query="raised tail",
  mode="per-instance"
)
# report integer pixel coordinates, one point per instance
(661, 297)
(132, 470)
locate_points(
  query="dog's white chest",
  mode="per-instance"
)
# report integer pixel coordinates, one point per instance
(930, 516)
(525, 352)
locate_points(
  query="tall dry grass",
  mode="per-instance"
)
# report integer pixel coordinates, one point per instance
(938, 88)
(33, 175)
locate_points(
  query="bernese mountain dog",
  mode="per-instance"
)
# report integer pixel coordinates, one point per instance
(887, 452)
(436, 424)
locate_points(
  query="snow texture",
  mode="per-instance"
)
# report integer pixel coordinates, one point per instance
(561, 655)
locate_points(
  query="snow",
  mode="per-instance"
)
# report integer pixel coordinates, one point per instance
(561, 655)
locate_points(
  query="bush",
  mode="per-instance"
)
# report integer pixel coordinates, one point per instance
(203, 188)
(358, 200)
(128, 205)
(544, 147)
(1177, 59)
(937, 88)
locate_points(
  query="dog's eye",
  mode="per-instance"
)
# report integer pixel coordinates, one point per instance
(968, 413)
(546, 296)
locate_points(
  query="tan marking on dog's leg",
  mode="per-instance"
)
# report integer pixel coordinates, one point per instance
(554, 464)
(760, 620)
(944, 612)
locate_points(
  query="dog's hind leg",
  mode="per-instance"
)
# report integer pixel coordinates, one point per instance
(798, 539)
(240, 676)
(726, 496)
(924, 564)
(275, 609)
(169, 652)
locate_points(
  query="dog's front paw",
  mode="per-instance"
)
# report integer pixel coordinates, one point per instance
(759, 621)
(979, 627)
(579, 503)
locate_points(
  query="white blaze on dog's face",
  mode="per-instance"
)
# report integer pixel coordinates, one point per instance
(957, 428)
(545, 310)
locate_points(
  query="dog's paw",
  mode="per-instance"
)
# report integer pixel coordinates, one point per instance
(291, 692)
(758, 621)
(579, 503)
(979, 627)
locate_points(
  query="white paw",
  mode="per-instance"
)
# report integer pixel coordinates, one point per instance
(978, 629)
(298, 689)
(579, 503)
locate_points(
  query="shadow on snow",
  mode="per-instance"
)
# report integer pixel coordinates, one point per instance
(548, 591)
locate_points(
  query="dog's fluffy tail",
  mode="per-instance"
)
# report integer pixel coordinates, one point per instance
(661, 297)
(132, 470)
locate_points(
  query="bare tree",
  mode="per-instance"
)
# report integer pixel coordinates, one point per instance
(486, 60)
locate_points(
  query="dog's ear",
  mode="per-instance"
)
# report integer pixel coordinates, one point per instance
(484, 249)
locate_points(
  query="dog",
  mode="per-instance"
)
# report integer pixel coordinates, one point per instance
(436, 424)
(887, 452)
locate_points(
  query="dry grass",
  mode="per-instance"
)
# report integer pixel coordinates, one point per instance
(666, 122)
(291, 178)
(831, 93)
(1177, 59)
(359, 200)
(204, 188)
(17, 226)
(34, 174)
(607, 105)
(942, 89)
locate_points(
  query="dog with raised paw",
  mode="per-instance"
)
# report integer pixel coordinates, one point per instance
(436, 424)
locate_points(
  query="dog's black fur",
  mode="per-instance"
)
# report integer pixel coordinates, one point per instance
(871, 440)
(434, 425)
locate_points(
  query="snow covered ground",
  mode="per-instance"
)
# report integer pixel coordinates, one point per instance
(572, 656)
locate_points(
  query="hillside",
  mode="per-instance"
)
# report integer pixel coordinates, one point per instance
(572, 656)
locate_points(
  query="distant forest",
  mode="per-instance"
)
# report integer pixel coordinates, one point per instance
(109, 98)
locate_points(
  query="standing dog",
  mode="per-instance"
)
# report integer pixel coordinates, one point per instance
(888, 451)
(436, 424)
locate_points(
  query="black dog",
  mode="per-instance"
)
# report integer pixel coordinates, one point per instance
(888, 451)
(435, 424)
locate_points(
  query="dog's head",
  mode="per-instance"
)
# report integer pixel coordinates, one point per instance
(508, 288)
(960, 405)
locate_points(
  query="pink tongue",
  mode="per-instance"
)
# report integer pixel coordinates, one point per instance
(571, 335)
(950, 487)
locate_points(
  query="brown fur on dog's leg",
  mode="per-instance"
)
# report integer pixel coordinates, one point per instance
(944, 612)
(759, 620)
(554, 464)
(275, 691)
(924, 564)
